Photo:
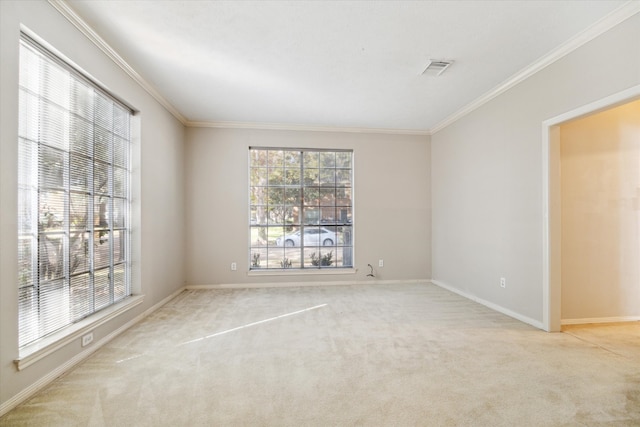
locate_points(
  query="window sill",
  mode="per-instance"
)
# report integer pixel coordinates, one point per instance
(31, 353)
(300, 272)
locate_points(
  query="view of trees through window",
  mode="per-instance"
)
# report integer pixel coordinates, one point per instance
(301, 208)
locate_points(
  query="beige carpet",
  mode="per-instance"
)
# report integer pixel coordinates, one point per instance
(397, 355)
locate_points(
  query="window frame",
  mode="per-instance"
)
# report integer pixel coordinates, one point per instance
(301, 218)
(49, 340)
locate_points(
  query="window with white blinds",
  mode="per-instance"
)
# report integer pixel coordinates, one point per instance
(73, 196)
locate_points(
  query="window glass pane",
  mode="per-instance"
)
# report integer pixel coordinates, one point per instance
(311, 196)
(29, 116)
(119, 246)
(50, 256)
(120, 182)
(52, 169)
(292, 159)
(328, 177)
(327, 196)
(120, 122)
(311, 177)
(102, 287)
(257, 257)
(101, 252)
(258, 236)
(291, 258)
(55, 84)
(101, 212)
(119, 212)
(275, 159)
(102, 144)
(311, 215)
(103, 112)
(275, 257)
(344, 215)
(79, 252)
(81, 98)
(101, 177)
(54, 125)
(120, 151)
(81, 298)
(275, 176)
(343, 178)
(311, 159)
(81, 136)
(292, 177)
(258, 158)
(80, 171)
(343, 160)
(328, 160)
(54, 307)
(25, 261)
(258, 176)
(343, 197)
(305, 200)
(120, 288)
(79, 211)
(25, 211)
(52, 207)
(273, 233)
(293, 196)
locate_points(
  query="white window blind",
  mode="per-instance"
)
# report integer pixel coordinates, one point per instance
(73, 196)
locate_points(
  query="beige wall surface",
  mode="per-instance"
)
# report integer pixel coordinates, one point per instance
(600, 185)
(391, 203)
(158, 226)
(487, 174)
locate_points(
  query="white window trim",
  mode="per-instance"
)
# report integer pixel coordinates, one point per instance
(42, 348)
(303, 272)
(46, 345)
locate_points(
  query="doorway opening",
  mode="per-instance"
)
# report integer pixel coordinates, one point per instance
(552, 201)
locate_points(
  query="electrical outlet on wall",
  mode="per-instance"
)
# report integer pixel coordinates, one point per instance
(380, 263)
(87, 339)
(503, 282)
(234, 266)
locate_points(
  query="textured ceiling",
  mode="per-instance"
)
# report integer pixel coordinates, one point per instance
(354, 64)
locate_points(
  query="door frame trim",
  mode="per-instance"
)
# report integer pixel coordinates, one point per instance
(551, 198)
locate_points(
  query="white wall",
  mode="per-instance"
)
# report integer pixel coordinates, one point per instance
(487, 174)
(391, 199)
(600, 187)
(158, 186)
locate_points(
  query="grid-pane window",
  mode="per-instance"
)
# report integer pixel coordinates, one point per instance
(301, 208)
(73, 196)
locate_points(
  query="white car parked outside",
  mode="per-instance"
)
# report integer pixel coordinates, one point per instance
(313, 236)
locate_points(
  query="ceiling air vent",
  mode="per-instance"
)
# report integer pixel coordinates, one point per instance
(435, 67)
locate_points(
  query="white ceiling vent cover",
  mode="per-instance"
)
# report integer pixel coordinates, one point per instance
(435, 67)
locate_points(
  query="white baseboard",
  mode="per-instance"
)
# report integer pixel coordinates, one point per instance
(304, 284)
(619, 319)
(535, 323)
(71, 363)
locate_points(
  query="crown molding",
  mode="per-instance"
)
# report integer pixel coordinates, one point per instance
(65, 10)
(619, 15)
(302, 128)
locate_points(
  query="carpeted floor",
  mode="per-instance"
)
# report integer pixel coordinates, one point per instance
(377, 355)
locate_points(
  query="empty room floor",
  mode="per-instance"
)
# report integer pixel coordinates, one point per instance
(379, 355)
